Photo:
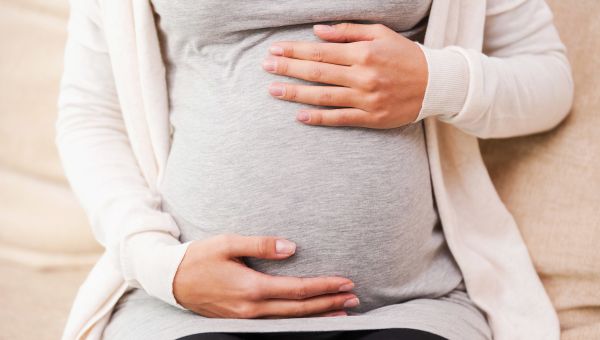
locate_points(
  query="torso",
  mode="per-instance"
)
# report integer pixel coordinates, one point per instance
(357, 201)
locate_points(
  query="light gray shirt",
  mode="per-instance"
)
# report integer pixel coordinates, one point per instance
(358, 202)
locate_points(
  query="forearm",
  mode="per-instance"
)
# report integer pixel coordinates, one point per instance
(521, 82)
(124, 212)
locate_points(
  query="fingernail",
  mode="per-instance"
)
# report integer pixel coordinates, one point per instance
(276, 50)
(269, 65)
(346, 287)
(351, 302)
(277, 90)
(324, 28)
(303, 116)
(285, 247)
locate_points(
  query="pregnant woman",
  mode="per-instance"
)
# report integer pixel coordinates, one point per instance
(306, 169)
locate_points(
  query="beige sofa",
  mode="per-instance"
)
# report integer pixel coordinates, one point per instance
(46, 247)
(551, 181)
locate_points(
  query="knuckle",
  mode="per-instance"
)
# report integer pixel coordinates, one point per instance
(301, 309)
(300, 293)
(325, 97)
(291, 92)
(253, 294)
(371, 81)
(377, 119)
(252, 289)
(343, 27)
(374, 100)
(282, 66)
(226, 241)
(245, 310)
(315, 73)
(316, 54)
(316, 118)
(263, 247)
(289, 51)
(366, 54)
(343, 118)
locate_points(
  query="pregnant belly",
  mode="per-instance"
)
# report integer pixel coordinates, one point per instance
(357, 202)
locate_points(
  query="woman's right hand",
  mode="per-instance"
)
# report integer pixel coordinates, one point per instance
(212, 281)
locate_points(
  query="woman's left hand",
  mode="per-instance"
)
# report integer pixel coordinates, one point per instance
(382, 76)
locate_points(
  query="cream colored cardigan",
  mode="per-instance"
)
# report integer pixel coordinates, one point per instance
(113, 135)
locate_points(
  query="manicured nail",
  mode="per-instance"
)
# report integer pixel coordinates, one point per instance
(351, 302)
(324, 28)
(346, 287)
(269, 65)
(277, 90)
(285, 247)
(303, 116)
(276, 50)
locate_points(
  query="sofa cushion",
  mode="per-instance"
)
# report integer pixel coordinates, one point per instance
(41, 223)
(551, 182)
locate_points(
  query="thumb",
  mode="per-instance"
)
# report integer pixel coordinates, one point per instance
(349, 32)
(267, 247)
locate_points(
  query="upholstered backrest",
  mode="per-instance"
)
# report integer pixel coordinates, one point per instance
(551, 182)
(41, 223)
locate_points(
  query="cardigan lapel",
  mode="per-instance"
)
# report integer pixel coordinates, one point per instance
(134, 63)
(153, 83)
(477, 226)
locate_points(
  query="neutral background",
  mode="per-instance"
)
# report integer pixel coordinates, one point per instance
(551, 181)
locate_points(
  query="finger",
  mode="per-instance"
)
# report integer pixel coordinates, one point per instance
(292, 287)
(313, 71)
(338, 117)
(332, 53)
(268, 247)
(317, 95)
(297, 308)
(349, 32)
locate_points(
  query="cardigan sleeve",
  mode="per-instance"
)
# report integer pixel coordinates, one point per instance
(125, 215)
(521, 83)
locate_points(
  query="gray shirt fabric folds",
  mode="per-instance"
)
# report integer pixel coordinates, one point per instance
(358, 202)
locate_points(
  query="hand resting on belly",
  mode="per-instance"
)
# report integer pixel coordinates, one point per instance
(212, 281)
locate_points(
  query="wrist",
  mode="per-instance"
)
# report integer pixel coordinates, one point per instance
(150, 261)
(447, 82)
